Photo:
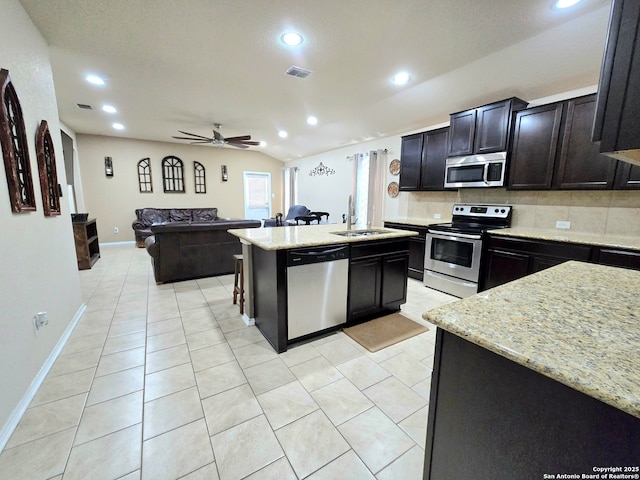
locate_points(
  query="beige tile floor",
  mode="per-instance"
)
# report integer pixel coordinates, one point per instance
(167, 382)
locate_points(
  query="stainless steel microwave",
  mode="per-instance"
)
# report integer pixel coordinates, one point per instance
(486, 170)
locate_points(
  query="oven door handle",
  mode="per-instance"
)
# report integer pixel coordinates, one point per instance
(450, 235)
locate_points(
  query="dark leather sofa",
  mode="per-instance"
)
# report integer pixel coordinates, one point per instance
(145, 217)
(187, 250)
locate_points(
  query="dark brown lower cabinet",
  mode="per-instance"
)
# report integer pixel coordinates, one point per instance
(416, 248)
(377, 279)
(492, 418)
(508, 258)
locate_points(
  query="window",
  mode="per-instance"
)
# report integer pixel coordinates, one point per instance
(172, 177)
(201, 186)
(14, 148)
(144, 176)
(47, 169)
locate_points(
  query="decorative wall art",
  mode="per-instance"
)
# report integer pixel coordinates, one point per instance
(49, 186)
(172, 175)
(394, 167)
(393, 189)
(145, 182)
(15, 150)
(321, 170)
(199, 178)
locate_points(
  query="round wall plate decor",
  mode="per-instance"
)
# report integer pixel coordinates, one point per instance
(394, 167)
(393, 189)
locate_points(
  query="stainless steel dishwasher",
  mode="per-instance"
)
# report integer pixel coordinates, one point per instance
(317, 281)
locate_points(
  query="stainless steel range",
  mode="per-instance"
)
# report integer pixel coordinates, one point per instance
(453, 250)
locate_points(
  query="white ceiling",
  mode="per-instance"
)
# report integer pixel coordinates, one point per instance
(185, 65)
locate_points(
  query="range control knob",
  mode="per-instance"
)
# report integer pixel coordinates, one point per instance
(503, 210)
(496, 210)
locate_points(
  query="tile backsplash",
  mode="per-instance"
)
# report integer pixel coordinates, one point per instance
(613, 212)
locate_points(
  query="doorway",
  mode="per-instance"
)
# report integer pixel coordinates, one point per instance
(257, 195)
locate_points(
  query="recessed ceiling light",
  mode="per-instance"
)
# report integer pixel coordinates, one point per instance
(263, 143)
(109, 108)
(311, 120)
(282, 134)
(566, 3)
(95, 79)
(118, 126)
(291, 39)
(401, 78)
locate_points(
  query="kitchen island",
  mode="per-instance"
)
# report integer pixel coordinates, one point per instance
(366, 277)
(540, 376)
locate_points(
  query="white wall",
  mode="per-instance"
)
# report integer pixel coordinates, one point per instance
(113, 200)
(38, 262)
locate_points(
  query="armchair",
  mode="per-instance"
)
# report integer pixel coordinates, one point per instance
(290, 219)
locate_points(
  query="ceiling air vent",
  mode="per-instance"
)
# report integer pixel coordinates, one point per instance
(298, 72)
(84, 106)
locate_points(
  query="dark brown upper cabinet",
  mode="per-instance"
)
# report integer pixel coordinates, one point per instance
(616, 124)
(552, 149)
(422, 160)
(627, 177)
(483, 129)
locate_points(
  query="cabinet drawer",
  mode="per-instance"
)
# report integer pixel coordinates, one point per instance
(568, 251)
(368, 249)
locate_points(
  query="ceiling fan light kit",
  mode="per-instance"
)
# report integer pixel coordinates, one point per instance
(217, 140)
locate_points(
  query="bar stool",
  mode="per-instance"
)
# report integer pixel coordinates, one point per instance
(238, 288)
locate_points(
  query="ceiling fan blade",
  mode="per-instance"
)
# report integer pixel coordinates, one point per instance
(217, 135)
(190, 138)
(194, 135)
(238, 145)
(246, 143)
(236, 139)
(200, 141)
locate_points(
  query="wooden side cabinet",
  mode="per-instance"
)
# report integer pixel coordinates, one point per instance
(85, 236)
(423, 158)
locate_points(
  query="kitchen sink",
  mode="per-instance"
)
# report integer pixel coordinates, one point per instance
(361, 233)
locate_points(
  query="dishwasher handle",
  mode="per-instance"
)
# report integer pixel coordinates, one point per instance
(315, 255)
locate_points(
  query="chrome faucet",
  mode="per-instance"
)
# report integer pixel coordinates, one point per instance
(350, 213)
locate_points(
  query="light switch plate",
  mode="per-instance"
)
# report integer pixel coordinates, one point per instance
(563, 224)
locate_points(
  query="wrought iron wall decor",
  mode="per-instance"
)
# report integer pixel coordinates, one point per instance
(199, 178)
(321, 170)
(145, 182)
(172, 175)
(15, 149)
(49, 186)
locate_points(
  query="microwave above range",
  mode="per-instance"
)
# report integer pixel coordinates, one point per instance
(475, 171)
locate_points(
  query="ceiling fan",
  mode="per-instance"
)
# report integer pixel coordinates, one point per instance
(218, 140)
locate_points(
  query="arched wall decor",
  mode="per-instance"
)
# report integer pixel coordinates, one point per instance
(145, 182)
(15, 150)
(199, 178)
(47, 170)
(172, 175)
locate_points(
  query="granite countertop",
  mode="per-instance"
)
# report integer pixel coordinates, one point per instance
(576, 323)
(280, 238)
(559, 235)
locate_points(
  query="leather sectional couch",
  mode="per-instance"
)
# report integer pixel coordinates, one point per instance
(188, 243)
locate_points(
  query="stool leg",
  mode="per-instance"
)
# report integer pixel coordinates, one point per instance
(235, 284)
(241, 288)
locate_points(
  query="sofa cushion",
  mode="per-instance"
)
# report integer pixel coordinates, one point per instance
(149, 216)
(204, 214)
(180, 215)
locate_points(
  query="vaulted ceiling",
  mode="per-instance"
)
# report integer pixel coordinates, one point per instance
(186, 65)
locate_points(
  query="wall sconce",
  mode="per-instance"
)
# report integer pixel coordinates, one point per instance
(225, 176)
(108, 167)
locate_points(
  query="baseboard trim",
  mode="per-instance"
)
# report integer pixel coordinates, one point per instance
(18, 412)
(127, 242)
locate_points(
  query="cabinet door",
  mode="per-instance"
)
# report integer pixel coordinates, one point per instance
(619, 258)
(410, 160)
(616, 124)
(416, 257)
(542, 263)
(581, 166)
(503, 267)
(365, 280)
(535, 143)
(434, 158)
(492, 127)
(461, 133)
(394, 281)
(627, 176)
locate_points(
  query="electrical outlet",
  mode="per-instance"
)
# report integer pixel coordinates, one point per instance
(563, 224)
(40, 320)
(116, 230)
(437, 215)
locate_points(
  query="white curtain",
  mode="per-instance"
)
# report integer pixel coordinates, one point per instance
(368, 188)
(290, 188)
